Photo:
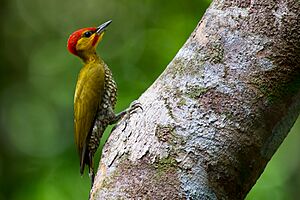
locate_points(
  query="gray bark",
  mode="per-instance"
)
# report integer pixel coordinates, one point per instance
(217, 114)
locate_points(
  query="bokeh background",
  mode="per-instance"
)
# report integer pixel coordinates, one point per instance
(38, 159)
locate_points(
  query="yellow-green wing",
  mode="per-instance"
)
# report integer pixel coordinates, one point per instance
(88, 94)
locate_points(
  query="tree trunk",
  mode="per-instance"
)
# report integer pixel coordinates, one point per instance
(214, 118)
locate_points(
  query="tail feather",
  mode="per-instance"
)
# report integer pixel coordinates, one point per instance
(83, 160)
(87, 159)
(91, 168)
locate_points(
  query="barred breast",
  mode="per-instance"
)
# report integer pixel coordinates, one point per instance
(105, 111)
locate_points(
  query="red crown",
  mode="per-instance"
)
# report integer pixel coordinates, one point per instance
(74, 37)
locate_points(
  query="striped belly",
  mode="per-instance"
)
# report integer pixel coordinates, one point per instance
(105, 112)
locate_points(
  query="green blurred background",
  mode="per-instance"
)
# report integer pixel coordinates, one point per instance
(38, 159)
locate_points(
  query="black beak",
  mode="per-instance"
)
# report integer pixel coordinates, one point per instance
(102, 27)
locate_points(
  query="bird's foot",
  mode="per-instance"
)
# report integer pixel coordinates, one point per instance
(132, 109)
(134, 106)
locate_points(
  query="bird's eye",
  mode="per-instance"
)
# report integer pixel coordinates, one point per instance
(87, 34)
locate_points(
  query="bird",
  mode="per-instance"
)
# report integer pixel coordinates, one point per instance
(95, 95)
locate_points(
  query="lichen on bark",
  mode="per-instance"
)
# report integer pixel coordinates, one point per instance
(216, 115)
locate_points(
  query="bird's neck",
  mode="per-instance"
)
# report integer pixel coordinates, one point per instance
(91, 58)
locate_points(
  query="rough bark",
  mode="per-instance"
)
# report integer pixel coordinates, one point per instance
(217, 114)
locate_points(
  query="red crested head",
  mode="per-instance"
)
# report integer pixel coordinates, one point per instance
(74, 37)
(83, 42)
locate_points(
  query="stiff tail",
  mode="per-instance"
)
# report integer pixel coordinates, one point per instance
(83, 158)
(87, 159)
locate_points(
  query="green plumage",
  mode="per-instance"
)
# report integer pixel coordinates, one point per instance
(94, 101)
(95, 95)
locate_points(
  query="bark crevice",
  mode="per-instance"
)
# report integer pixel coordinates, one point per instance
(216, 115)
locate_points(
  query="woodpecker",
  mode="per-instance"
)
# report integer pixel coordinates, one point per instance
(95, 95)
